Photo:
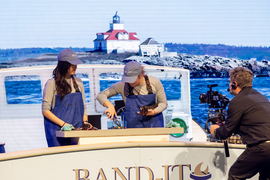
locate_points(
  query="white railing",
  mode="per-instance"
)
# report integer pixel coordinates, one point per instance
(21, 125)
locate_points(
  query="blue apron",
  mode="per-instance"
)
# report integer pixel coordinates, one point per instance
(133, 103)
(71, 110)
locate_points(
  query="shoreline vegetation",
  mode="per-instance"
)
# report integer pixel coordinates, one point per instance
(190, 57)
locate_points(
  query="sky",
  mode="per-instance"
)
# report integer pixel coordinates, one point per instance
(69, 23)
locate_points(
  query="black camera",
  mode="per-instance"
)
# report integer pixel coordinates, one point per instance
(214, 98)
(217, 105)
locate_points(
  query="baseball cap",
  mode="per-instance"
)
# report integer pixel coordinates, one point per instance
(131, 71)
(69, 56)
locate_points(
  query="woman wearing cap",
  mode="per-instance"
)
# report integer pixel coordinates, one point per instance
(63, 99)
(137, 90)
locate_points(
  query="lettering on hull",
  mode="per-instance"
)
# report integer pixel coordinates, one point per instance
(197, 174)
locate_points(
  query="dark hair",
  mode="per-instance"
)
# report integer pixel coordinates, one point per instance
(242, 76)
(59, 73)
(143, 72)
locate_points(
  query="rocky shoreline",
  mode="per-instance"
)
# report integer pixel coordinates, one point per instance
(200, 66)
(208, 66)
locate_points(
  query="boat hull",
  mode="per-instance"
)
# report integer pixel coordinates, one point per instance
(132, 160)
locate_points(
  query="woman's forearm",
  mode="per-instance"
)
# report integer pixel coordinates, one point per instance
(53, 118)
(85, 118)
(107, 104)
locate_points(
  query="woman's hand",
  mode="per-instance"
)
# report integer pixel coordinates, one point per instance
(150, 112)
(68, 124)
(85, 122)
(110, 112)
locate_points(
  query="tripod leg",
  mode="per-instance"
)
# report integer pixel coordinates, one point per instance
(226, 148)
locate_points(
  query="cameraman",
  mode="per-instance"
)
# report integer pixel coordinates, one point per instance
(248, 115)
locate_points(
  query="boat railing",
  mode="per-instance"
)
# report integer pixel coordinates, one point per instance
(27, 117)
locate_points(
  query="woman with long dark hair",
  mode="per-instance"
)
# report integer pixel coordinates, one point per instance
(63, 99)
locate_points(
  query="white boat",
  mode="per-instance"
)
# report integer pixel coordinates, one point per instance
(122, 153)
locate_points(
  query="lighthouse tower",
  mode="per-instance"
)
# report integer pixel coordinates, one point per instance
(116, 39)
(116, 24)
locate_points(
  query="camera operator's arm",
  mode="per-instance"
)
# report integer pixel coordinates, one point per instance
(232, 122)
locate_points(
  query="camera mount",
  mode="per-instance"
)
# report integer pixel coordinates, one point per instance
(217, 105)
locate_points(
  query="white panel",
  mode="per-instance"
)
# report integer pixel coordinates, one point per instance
(22, 134)
(135, 163)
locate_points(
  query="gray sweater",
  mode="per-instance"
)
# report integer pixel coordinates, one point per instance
(122, 88)
(49, 93)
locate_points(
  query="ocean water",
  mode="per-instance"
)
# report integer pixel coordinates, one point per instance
(199, 111)
(29, 92)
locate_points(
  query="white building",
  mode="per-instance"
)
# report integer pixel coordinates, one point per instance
(150, 47)
(116, 39)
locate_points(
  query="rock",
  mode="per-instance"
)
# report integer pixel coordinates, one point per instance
(199, 65)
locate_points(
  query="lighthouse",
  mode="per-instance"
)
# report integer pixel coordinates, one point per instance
(116, 39)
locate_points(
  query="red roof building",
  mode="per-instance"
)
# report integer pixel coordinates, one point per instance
(117, 40)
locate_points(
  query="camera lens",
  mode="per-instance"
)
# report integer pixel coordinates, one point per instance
(203, 98)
